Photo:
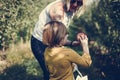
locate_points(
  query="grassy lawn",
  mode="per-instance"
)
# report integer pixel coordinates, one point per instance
(20, 64)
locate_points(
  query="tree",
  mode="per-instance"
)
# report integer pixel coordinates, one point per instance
(17, 19)
(102, 27)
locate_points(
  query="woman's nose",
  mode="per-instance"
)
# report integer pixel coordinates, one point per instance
(75, 4)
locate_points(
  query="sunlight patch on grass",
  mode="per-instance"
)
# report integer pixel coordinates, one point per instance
(18, 53)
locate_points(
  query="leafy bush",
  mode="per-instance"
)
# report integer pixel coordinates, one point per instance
(17, 19)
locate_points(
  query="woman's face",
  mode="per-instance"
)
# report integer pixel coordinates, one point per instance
(65, 39)
(75, 4)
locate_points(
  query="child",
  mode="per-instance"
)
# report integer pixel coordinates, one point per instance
(59, 58)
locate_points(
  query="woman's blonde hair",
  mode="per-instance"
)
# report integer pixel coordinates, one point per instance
(79, 11)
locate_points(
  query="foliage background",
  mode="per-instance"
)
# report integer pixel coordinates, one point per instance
(100, 22)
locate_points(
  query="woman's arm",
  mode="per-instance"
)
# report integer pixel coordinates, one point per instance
(57, 11)
(85, 59)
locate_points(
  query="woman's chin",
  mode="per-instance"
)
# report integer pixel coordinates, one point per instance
(72, 10)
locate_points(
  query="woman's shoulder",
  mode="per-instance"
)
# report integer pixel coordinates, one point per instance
(67, 49)
(57, 5)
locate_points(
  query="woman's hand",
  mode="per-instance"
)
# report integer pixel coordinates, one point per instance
(75, 67)
(83, 39)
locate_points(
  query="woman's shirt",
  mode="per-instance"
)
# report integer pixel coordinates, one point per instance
(44, 18)
(59, 62)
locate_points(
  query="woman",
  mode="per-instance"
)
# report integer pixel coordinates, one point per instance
(60, 10)
(58, 58)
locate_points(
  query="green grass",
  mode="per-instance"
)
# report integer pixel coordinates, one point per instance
(20, 64)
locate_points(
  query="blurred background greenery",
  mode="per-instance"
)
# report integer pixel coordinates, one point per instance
(100, 22)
